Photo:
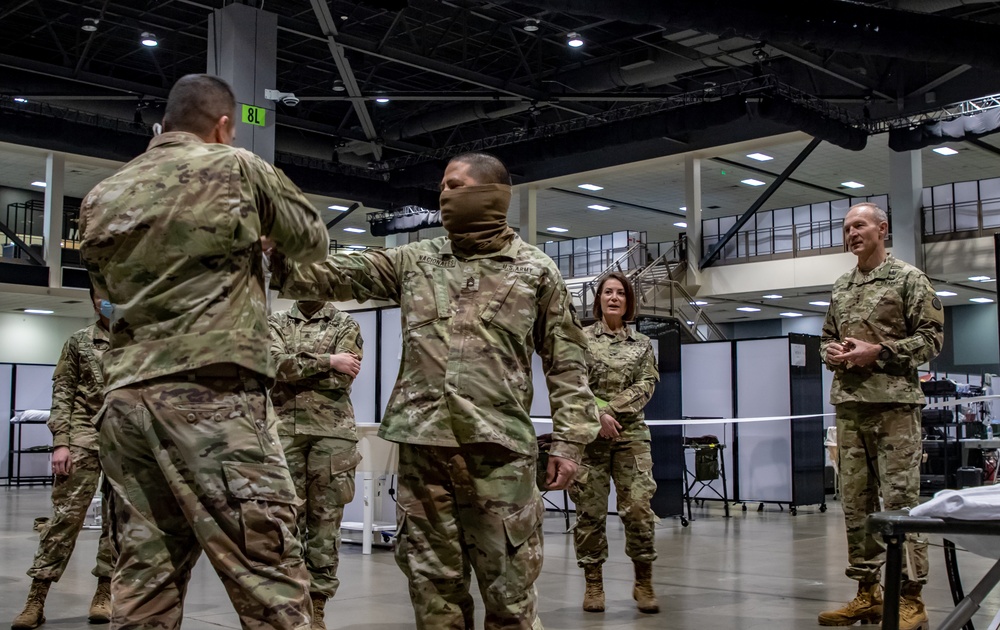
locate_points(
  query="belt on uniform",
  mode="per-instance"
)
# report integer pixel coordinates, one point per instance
(218, 370)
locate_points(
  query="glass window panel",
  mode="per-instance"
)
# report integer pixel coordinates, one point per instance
(966, 214)
(765, 242)
(839, 208)
(710, 227)
(782, 241)
(820, 212)
(942, 219)
(764, 219)
(989, 188)
(943, 195)
(882, 201)
(928, 202)
(783, 217)
(725, 223)
(991, 213)
(966, 191)
(801, 215)
(620, 239)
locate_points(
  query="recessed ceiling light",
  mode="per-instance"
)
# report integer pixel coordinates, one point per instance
(852, 184)
(556, 229)
(820, 303)
(945, 151)
(530, 25)
(38, 311)
(790, 314)
(981, 300)
(973, 278)
(338, 85)
(747, 309)
(760, 157)
(772, 296)
(354, 230)
(39, 184)
(593, 187)
(683, 208)
(752, 182)
(573, 40)
(699, 303)
(383, 100)
(20, 99)
(945, 293)
(690, 323)
(357, 247)
(149, 40)
(336, 207)
(597, 206)
(90, 24)
(680, 224)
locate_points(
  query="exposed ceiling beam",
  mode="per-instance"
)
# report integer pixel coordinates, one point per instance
(985, 146)
(944, 78)
(763, 171)
(816, 62)
(616, 202)
(87, 78)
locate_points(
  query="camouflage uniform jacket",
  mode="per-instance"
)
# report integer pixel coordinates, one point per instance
(623, 373)
(173, 240)
(893, 305)
(312, 398)
(470, 327)
(78, 388)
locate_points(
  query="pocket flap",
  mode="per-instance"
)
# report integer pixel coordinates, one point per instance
(344, 461)
(259, 482)
(522, 524)
(644, 462)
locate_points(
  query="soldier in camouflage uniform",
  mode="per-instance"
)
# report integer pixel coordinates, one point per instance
(188, 438)
(317, 352)
(77, 396)
(475, 306)
(884, 321)
(623, 374)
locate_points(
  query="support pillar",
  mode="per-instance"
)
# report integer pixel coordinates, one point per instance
(528, 224)
(55, 174)
(692, 199)
(906, 182)
(243, 50)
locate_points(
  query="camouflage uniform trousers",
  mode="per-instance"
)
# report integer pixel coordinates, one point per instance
(879, 449)
(464, 509)
(630, 465)
(196, 464)
(71, 497)
(323, 471)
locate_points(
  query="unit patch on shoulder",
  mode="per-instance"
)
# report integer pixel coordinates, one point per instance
(936, 303)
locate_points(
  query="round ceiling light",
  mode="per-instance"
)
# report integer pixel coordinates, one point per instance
(531, 25)
(149, 40)
(574, 40)
(90, 24)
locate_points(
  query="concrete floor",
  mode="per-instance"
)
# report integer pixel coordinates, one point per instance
(756, 570)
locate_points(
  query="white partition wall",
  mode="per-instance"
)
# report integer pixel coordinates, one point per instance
(6, 370)
(765, 448)
(707, 386)
(391, 352)
(363, 389)
(32, 389)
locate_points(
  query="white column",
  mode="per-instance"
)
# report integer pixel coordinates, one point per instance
(55, 173)
(401, 238)
(528, 230)
(692, 200)
(906, 182)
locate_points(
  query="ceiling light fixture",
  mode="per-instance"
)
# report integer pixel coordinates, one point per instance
(336, 207)
(39, 184)
(573, 40)
(149, 40)
(820, 303)
(530, 25)
(357, 247)
(20, 99)
(338, 85)
(597, 206)
(593, 187)
(981, 300)
(556, 229)
(852, 184)
(699, 303)
(680, 224)
(90, 24)
(752, 182)
(382, 100)
(748, 309)
(760, 157)
(772, 296)
(790, 314)
(945, 151)
(38, 311)
(683, 208)
(945, 293)
(973, 278)
(354, 230)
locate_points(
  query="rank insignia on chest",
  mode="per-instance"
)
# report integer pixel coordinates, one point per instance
(470, 284)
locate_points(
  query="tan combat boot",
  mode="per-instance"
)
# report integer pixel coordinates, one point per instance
(642, 592)
(319, 612)
(33, 614)
(866, 607)
(593, 599)
(100, 606)
(912, 614)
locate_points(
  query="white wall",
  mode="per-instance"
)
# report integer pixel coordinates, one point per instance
(35, 338)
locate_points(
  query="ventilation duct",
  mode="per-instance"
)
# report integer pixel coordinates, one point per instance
(928, 134)
(406, 219)
(788, 113)
(831, 24)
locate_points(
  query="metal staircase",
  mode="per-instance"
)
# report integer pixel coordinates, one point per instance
(659, 291)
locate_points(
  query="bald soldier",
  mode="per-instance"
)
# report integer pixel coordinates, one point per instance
(475, 306)
(188, 440)
(884, 321)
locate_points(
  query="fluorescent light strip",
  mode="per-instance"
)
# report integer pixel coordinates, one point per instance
(760, 157)
(39, 184)
(556, 229)
(945, 293)
(979, 278)
(820, 303)
(981, 300)
(38, 311)
(752, 182)
(852, 184)
(354, 230)
(772, 296)
(593, 187)
(748, 309)
(945, 151)
(790, 314)
(336, 207)
(597, 206)
(680, 224)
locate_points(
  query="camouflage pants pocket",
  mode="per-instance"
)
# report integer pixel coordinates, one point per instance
(342, 467)
(267, 501)
(524, 550)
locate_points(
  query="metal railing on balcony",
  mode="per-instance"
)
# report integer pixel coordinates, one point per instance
(968, 219)
(789, 241)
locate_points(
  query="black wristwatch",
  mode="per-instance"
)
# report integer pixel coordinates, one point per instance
(885, 354)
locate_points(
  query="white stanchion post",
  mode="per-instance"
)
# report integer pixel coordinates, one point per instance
(368, 518)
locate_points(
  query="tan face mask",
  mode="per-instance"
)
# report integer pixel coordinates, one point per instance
(476, 218)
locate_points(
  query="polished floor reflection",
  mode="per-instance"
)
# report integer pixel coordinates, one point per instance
(755, 570)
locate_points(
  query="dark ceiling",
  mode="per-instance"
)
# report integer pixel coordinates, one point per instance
(653, 78)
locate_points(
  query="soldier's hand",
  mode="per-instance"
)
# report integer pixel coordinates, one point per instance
(560, 473)
(860, 353)
(346, 363)
(267, 245)
(62, 461)
(609, 427)
(835, 353)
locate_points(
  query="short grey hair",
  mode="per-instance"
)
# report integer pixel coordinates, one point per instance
(880, 214)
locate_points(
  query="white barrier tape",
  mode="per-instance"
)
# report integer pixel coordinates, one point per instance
(694, 421)
(961, 401)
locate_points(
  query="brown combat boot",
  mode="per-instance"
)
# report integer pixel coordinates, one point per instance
(866, 607)
(100, 606)
(593, 599)
(33, 614)
(642, 592)
(319, 612)
(912, 614)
